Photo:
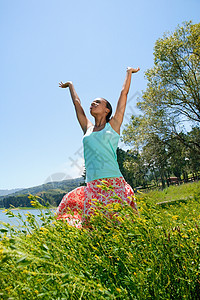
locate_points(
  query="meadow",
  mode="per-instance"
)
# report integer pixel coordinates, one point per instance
(152, 256)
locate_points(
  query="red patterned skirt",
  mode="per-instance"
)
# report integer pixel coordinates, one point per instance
(81, 200)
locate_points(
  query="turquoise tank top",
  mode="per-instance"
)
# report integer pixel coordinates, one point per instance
(100, 153)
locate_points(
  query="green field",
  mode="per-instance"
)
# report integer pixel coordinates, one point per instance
(154, 256)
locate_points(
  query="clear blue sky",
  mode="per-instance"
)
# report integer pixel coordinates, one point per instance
(88, 42)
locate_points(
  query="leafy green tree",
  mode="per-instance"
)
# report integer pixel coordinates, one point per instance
(132, 167)
(156, 157)
(122, 157)
(136, 169)
(172, 96)
(166, 134)
(192, 155)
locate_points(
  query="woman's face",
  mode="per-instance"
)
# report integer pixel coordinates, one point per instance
(98, 106)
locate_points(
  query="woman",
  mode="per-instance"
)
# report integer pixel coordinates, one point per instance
(100, 143)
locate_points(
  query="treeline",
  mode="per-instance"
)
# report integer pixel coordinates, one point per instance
(165, 137)
(160, 168)
(52, 198)
(50, 193)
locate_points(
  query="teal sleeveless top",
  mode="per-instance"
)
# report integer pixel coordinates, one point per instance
(100, 153)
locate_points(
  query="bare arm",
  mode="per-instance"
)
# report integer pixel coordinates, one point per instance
(117, 119)
(83, 120)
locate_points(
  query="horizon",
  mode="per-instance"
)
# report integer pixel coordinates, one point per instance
(49, 182)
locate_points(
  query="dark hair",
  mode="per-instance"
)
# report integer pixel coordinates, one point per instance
(108, 105)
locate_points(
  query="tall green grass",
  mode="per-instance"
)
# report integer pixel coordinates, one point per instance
(151, 256)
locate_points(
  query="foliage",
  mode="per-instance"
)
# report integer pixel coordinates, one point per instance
(53, 197)
(167, 133)
(157, 160)
(172, 94)
(154, 256)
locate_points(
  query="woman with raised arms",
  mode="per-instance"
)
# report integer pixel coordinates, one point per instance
(100, 143)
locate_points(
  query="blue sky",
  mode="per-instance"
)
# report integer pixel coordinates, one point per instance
(88, 42)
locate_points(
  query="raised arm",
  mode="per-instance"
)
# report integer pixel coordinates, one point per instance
(83, 120)
(117, 119)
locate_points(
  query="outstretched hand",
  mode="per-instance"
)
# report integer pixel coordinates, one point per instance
(132, 70)
(64, 85)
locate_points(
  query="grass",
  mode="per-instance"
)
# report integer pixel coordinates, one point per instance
(176, 192)
(154, 256)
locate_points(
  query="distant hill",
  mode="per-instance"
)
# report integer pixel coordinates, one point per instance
(8, 192)
(62, 185)
(51, 192)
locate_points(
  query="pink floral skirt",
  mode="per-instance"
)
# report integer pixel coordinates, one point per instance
(81, 200)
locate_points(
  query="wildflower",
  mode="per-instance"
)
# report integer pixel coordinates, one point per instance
(104, 181)
(94, 248)
(116, 238)
(106, 227)
(120, 219)
(117, 206)
(45, 230)
(185, 236)
(118, 290)
(33, 273)
(175, 217)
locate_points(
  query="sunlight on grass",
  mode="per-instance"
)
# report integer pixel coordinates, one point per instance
(154, 256)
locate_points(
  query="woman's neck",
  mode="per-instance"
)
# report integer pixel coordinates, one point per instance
(99, 126)
(100, 122)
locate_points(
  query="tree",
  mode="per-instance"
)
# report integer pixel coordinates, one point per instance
(122, 158)
(170, 106)
(156, 157)
(132, 167)
(171, 101)
(192, 155)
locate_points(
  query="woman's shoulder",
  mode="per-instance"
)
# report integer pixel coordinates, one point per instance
(113, 124)
(89, 129)
(89, 126)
